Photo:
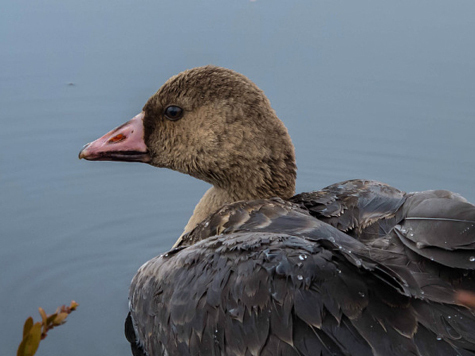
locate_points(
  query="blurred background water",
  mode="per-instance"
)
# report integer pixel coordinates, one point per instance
(368, 89)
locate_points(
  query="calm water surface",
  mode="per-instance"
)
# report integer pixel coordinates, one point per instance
(377, 90)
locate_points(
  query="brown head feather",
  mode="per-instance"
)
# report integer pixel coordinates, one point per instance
(229, 136)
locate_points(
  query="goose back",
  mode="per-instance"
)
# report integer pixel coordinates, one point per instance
(267, 278)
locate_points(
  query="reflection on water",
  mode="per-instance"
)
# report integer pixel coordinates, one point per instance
(382, 93)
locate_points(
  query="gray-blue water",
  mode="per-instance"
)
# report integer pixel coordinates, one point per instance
(381, 90)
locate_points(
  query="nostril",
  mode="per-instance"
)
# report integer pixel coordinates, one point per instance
(117, 138)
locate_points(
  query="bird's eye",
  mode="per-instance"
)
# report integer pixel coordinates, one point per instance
(173, 113)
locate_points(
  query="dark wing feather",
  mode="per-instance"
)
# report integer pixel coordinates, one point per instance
(248, 282)
(363, 208)
(131, 337)
(439, 226)
(431, 233)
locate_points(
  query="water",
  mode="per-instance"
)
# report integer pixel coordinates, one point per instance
(368, 89)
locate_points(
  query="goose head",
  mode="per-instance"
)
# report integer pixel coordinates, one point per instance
(215, 125)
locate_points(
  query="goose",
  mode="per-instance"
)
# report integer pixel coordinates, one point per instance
(356, 268)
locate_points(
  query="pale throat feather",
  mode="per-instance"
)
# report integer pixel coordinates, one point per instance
(212, 200)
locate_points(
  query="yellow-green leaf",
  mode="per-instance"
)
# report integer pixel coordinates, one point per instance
(32, 341)
(51, 318)
(27, 326)
(45, 319)
(21, 347)
(43, 314)
(60, 318)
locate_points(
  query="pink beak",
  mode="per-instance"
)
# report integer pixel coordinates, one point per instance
(125, 143)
